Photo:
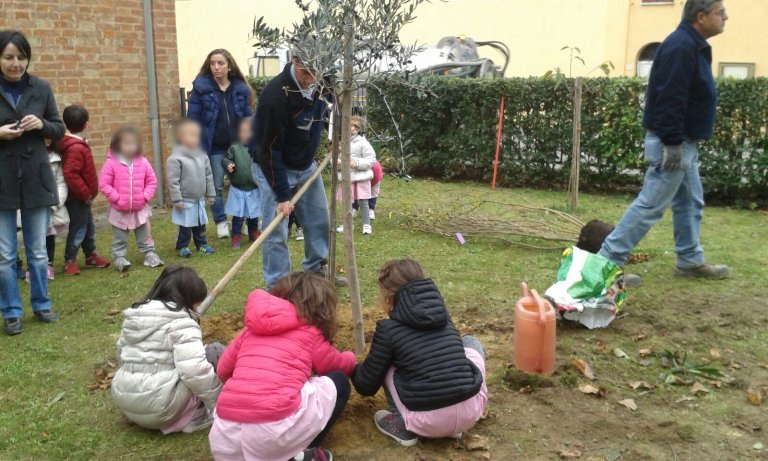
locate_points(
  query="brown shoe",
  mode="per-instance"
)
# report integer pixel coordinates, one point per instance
(705, 271)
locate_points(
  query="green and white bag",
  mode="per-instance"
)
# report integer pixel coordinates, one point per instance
(589, 288)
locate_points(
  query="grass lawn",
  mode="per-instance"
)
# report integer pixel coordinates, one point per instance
(48, 413)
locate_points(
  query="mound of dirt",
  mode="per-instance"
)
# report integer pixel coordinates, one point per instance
(221, 327)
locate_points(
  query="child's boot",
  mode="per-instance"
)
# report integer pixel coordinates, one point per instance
(236, 239)
(94, 260)
(393, 426)
(205, 249)
(122, 264)
(71, 268)
(314, 454)
(151, 259)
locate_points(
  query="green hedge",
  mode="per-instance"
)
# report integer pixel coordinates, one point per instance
(450, 129)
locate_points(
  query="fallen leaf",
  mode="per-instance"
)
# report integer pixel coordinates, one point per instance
(714, 353)
(640, 385)
(592, 390)
(57, 398)
(584, 366)
(699, 388)
(750, 427)
(734, 365)
(477, 443)
(645, 362)
(569, 453)
(638, 337)
(628, 403)
(620, 353)
(756, 394)
(601, 348)
(685, 398)
(645, 352)
(757, 446)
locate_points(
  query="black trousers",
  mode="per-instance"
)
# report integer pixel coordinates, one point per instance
(188, 233)
(343, 389)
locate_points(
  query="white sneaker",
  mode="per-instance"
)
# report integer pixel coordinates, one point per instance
(299, 234)
(122, 264)
(372, 214)
(354, 213)
(151, 259)
(222, 230)
(340, 229)
(367, 229)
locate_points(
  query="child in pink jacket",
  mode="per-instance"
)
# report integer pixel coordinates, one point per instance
(272, 407)
(129, 183)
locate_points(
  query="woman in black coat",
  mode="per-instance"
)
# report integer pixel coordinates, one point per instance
(28, 116)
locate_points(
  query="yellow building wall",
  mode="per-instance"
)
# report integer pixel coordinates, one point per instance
(535, 31)
(745, 39)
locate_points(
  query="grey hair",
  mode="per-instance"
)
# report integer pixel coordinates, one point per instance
(692, 8)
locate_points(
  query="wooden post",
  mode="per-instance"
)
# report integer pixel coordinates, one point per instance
(335, 143)
(346, 184)
(573, 185)
(498, 143)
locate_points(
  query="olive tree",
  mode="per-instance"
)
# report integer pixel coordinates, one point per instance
(344, 42)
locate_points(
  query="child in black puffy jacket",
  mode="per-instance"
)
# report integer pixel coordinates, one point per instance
(433, 378)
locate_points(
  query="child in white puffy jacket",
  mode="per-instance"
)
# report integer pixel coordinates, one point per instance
(362, 159)
(166, 377)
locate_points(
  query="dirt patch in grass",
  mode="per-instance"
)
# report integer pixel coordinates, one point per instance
(538, 417)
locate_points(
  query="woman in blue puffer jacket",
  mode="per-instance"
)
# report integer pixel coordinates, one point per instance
(220, 98)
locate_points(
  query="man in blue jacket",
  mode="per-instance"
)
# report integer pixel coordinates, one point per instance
(679, 112)
(287, 130)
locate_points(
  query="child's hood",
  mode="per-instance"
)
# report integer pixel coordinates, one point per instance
(268, 315)
(67, 142)
(141, 322)
(420, 305)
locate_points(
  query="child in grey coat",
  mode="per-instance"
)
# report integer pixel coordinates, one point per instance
(190, 182)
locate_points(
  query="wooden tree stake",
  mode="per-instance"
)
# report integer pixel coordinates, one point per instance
(346, 184)
(573, 185)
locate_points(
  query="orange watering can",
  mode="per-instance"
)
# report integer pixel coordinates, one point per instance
(535, 332)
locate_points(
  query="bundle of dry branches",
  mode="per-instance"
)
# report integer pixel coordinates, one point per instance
(520, 223)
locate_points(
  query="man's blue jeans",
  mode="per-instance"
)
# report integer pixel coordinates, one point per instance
(217, 209)
(679, 189)
(312, 211)
(35, 225)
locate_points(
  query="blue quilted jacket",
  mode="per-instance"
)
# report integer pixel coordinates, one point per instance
(205, 104)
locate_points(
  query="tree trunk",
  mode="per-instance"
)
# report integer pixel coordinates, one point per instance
(573, 186)
(335, 143)
(349, 237)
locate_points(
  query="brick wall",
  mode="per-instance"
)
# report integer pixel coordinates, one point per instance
(93, 53)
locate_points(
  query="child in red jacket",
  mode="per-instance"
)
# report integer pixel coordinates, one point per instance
(83, 185)
(272, 407)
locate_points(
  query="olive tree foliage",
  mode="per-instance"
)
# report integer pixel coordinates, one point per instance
(318, 39)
